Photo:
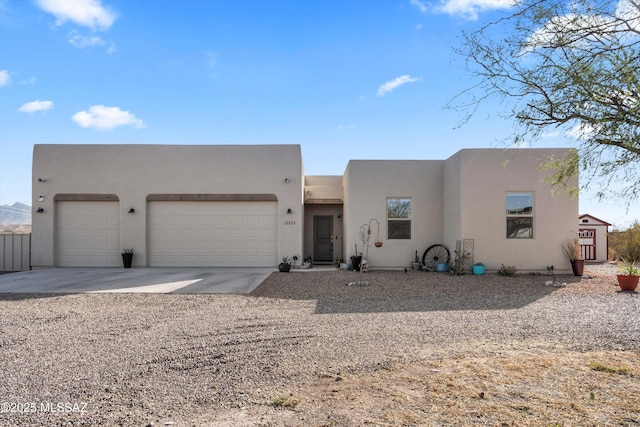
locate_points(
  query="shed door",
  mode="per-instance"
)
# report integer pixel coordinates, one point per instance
(212, 234)
(88, 234)
(587, 238)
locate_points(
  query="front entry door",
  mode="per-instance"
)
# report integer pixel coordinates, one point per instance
(323, 238)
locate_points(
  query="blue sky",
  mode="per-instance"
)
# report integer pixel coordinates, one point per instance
(345, 79)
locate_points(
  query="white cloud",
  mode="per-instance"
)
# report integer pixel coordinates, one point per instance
(5, 78)
(471, 8)
(80, 41)
(29, 81)
(106, 118)
(581, 131)
(395, 83)
(34, 106)
(419, 5)
(625, 23)
(86, 13)
(630, 13)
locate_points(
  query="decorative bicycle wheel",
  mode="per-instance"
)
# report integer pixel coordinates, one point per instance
(434, 255)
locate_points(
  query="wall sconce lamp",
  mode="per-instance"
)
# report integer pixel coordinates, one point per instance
(41, 199)
(131, 210)
(40, 210)
(289, 211)
(339, 216)
(286, 180)
(42, 180)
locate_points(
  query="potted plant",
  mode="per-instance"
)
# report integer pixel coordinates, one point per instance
(284, 266)
(629, 275)
(478, 269)
(571, 249)
(356, 260)
(127, 257)
(416, 262)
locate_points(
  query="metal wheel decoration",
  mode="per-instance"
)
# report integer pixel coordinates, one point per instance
(434, 255)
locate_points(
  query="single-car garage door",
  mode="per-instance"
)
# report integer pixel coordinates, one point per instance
(88, 234)
(212, 233)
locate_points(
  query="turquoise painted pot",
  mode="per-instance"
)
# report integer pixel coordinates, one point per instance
(478, 270)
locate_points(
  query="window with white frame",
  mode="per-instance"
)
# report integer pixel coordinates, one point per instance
(519, 215)
(398, 218)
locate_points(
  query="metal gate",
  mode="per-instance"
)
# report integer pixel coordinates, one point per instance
(15, 252)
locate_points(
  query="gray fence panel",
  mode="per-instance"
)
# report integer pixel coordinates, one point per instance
(15, 252)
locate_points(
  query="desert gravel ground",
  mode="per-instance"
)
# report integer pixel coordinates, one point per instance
(306, 349)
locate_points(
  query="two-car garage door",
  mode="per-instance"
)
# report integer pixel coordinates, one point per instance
(212, 233)
(179, 234)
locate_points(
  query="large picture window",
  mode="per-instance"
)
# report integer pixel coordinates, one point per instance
(519, 215)
(398, 218)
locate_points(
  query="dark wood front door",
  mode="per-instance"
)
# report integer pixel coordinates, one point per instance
(323, 238)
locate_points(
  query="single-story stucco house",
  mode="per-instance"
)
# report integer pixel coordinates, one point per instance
(249, 206)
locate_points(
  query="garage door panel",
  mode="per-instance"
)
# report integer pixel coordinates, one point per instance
(213, 234)
(87, 234)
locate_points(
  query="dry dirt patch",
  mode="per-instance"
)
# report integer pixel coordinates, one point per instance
(493, 385)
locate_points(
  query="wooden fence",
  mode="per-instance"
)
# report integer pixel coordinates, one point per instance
(15, 252)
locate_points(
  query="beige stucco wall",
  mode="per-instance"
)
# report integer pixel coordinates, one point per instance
(486, 175)
(368, 184)
(132, 172)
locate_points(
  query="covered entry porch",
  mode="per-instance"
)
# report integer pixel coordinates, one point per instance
(323, 213)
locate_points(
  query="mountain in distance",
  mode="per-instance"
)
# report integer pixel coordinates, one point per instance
(18, 213)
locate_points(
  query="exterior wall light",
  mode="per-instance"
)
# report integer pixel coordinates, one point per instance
(131, 210)
(289, 211)
(40, 210)
(42, 180)
(286, 180)
(41, 199)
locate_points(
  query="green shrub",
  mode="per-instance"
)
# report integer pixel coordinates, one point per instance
(285, 402)
(601, 367)
(507, 270)
(625, 244)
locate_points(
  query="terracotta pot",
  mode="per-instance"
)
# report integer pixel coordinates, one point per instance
(628, 283)
(577, 265)
(378, 244)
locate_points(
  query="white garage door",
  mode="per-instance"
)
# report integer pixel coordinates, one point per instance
(212, 234)
(88, 234)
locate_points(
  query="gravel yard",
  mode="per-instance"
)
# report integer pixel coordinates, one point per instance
(283, 354)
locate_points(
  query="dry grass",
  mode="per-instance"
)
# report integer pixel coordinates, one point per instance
(536, 386)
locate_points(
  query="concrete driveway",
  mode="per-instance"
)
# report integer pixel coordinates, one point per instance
(135, 280)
